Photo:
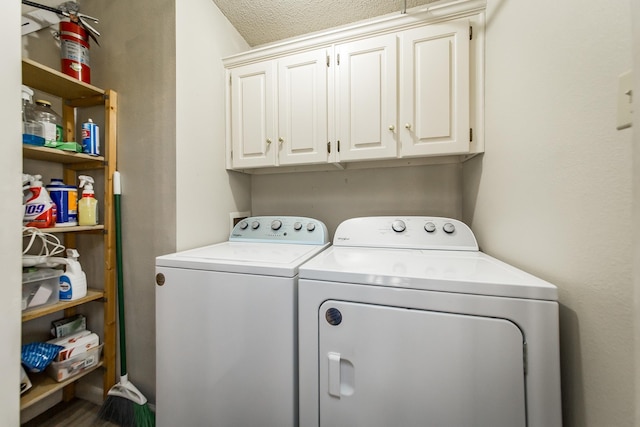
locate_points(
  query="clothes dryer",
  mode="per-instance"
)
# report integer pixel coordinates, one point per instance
(404, 322)
(226, 326)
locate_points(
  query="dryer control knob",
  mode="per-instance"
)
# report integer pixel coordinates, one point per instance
(255, 225)
(429, 227)
(311, 226)
(244, 225)
(276, 224)
(398, 226)
(297, 226)
(448, 228)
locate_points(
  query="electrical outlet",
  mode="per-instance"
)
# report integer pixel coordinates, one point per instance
(625, 100)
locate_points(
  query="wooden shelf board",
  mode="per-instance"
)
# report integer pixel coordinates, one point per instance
(43, 386)
(55, 155)
(73, 229)
(92, 295)
(47, 79)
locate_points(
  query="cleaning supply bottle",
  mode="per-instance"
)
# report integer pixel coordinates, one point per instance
(50, 121)
(73, 283)
(66, 199)
(39, 210)
(88, 205)
(32, 130)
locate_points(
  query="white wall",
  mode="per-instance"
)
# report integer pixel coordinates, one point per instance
(206, 192)
(10, 215)
(552, 194)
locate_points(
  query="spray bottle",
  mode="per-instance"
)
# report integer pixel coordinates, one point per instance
(88, 205)
(39, 209)
(73, 283)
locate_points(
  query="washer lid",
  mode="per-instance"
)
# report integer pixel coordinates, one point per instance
(464, 272)
(269, 259)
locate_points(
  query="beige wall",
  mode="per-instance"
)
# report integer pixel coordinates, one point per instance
(163, 57)
(337, 195)
(635, 17)
(164, 60)
(11, 213)
(552, 194)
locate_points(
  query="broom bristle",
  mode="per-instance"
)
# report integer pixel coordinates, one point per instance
(126, 413)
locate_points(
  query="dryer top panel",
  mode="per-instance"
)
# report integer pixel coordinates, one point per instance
(413, 232)
(426, 253)
(464, 272)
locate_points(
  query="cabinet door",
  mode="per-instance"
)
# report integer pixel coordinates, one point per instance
(366, 98)
(253, 115)
(434, 90)
(302, 108)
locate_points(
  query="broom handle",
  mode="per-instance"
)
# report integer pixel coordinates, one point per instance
(117, 191)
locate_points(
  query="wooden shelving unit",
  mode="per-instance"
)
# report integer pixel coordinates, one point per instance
(92, 295)
(76, 94)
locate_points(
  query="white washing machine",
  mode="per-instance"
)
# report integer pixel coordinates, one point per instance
(404, 322)
(226, 326)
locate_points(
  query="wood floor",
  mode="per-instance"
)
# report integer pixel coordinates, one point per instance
(76, 413)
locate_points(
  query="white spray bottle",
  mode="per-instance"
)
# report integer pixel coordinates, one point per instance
(73, 283)
(88, 205)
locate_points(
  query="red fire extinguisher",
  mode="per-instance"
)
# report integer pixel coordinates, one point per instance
(74, 50)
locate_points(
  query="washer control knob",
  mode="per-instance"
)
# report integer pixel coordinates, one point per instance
(276, 224)
(255, 225)
(448, 228)
(398, 226)
(244, 225)
(311, 226)
(429, 227)
(297, 226)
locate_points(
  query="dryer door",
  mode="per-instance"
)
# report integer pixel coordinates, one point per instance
(384, 366)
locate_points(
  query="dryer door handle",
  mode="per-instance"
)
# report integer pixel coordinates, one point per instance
(334, 374)
(341, 375)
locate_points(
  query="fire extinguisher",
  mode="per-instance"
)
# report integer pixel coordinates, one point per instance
(74, 51)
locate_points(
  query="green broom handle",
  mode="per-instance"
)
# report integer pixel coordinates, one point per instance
(117, 191)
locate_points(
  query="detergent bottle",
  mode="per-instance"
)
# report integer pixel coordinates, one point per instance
(73, 283)
(39, 209)
(88, 205)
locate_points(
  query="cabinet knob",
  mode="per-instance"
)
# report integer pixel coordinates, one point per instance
(281, 140)
(392, 128)
(407, 126)
(269, 141)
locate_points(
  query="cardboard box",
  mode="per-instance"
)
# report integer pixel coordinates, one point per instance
(68, 326)
(75, 344)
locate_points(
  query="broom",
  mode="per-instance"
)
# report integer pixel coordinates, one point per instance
(124, 405)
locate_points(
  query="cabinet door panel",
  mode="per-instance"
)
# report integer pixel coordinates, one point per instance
(366, 98)
(252, 115)
(302, 108)
(434, 90)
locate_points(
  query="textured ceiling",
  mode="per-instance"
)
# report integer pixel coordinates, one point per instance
(266, 21)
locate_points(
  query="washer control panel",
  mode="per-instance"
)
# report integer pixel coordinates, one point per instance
(282, 229)
(413, 232)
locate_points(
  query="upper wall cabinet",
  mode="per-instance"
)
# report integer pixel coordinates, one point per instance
(279, 111)
(434, 90)
(366, 98)
(397, 90)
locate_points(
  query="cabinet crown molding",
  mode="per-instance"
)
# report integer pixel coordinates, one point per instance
(421, 15)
